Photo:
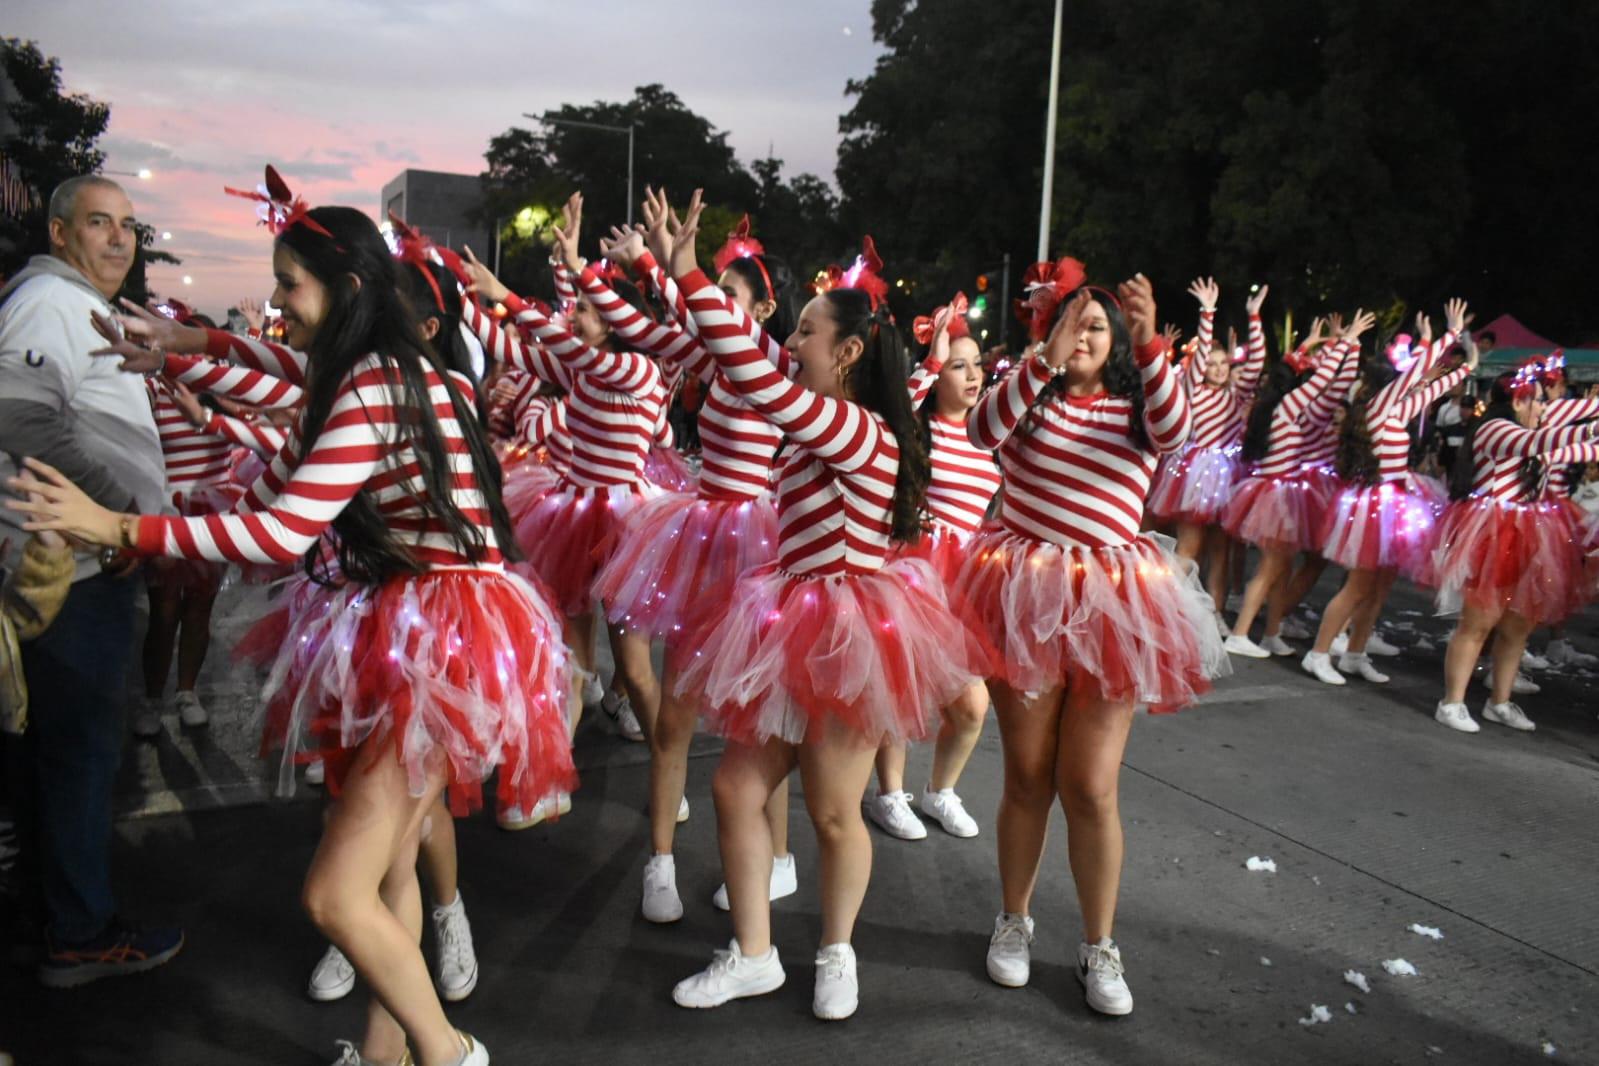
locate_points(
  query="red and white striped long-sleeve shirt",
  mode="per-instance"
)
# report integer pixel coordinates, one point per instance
(363, 444)
(1219, 412)
(1074, 476)
(1563, 412)
(1320, 447)
(835, 493)
(1401, 402)
(1285, 446)
(614, 399)
(272, 359)
(264, 439)
(194, 458)
(240, 383)
(1501, 448)
(541, 423)
(964, 477)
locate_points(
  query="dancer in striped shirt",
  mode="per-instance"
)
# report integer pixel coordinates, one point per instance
(431, 666)
(961, 488)
(1091, 616)
(1507, 561)
(813, 659)
(1380, 524)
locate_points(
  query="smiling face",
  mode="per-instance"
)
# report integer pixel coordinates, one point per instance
(587, 325)
(1218, 367)
(1529, 412)
(821, 355)
(739, 291)
(1087, 349)
(961, 380)
(99, 239)
(301, 296)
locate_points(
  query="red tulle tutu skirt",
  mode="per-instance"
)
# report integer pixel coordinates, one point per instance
(1274, 512)
(459, 669)
(665, 468)
(1322, 487)
(677, 558)
(565, 534)
(879, 654)
(1380, 527)
(198, 576)
(1194, 485)
(1123, 623)
(1521, 557)
(523, 483)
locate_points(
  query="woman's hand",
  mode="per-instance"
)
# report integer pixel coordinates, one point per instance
(1173, 333)
(51, 502)
(1362, 321)
(1206, 291)
(136, 358)
(1256, 300)
(1317, 334)
(624, 246)
(254, 314)
(1423, 327)
(1138, 307)
(566, 233)
(484, 283)
(657, 226)
(685, 257)
(1063, 338)
(186, 401)
(1455, 316)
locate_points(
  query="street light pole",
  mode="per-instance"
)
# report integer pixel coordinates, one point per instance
(627, 129)
(1049, 140)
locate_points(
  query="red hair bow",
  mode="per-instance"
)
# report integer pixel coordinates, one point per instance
(1527, 381)
(922, 328)
(278, 208)
(1300, 359)
(739, 245)
(863, 274)
(1554, 367)
(416, 249)
(1046, 285)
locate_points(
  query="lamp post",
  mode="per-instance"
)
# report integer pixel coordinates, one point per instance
(627, 129)
(1049, 140)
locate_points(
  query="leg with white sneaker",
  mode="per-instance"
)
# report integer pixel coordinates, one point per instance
(1359, 587)
(890, 810)
(957, 737)
(455, 970)
(1510, 641)
(785, 875)
(1460, 661)
(636, 670)
(1283, 598)
(669, 745)
(1029, 732)
(1273, 568)
(1561, 652)
(194, 640)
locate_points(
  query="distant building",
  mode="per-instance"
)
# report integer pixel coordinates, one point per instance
(438, 204)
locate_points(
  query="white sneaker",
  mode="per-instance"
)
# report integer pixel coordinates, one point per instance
(191, 711)
(1222, 628)
(1521, 686)
(456, 974)
(476, 1053)
(1294, 629)
(1010, 955)
(316, 772)
(1277, 645)
(1508, 714)
(946, 808)
(593, 691)
(1340, 644)
(682, 809)
(1352, 663)
(147, 719)
(731, 975)
(1099, 968)
(1237, 645)
(838, 990)
(1318, 664)
(1561, 653)
(617, 706)
(1533, 661)
(513, 818)
(785, 882)
(1375, 645)
(332, 978)
(893, 815)
(1455, 716)
(662, 904)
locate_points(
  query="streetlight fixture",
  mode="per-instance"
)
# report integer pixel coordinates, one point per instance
(143, 173)
(627, 129)
(166, 235)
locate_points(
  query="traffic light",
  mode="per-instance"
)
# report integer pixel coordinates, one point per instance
(978, 308)
(983, 282)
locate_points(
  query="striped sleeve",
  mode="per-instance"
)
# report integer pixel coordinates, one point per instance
(508, 346)
(1297, 403)
(650, 272)
(1325, 404)
(274, 359)
(565, 290)
(1003, 407)
(1586, 452)
(1168, 419)
(1206, 333)
(924, 377)
(264, 440)
(1248, 377)
(1565, 412)
(353, 442)
(839, 433)
(626, 372)
(1504, 439)
(538, 418)
(1414, 405)
(239, 383)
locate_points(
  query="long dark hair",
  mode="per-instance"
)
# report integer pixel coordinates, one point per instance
(374, 316)
(878, 382)
(1463, 475)
(1356, 460)
(1120, 373)
(784, 291)
(1281, 379)
(444, 306)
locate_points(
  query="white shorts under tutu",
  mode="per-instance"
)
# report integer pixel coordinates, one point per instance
(456, 669)
(879, 654)
(678, 557)
(1124, 623)
(1379, 527)
(1194, 485)
(1274, 512)
(1499, 555)
(566, 534)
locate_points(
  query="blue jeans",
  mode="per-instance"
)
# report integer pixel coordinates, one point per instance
(62, 770)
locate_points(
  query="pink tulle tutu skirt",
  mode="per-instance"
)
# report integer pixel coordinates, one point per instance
(1274, 512)
(666, 469)
(879, 654)
(678, 556)
(1323, 485)
(1380, 527)
(457, 669)
(567, 532)
(1496, 555)
(523, 482)
(196, 575)
(1194, 485)
(1124, 623)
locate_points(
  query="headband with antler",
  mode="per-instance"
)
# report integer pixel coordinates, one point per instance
(923, 327)
(864, 274)
(278, 208)
(740, 245)
(417, 249)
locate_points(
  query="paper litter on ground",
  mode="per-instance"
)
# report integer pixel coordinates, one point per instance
(1318, 1015)
(1548, 1048)
(1399, 968)
(1358, 979)
(1257, 864)
(1350, 1007)
(1426, 930)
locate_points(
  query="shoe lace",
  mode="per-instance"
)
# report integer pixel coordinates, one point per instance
(722, 963)
(1104, 963)
(833, 965)
(349, 1054)
(455, 940)
(1011, 934)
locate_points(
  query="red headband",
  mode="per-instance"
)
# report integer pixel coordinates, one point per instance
(1527, 381)
(1554, 367)
(863, 274)
(278, 209)
(922, 328)
(740, 245)
(1046, 285)
(1300, 359)
(416, 250)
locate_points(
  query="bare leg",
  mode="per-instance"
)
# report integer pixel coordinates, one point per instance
(1088, 764)
(637, 674)
(1509, 642)
(1029, 732)
(194, 635)
(579, 633)
(1272, 569)
(891, 756)
(744, 782)
(1218, 552)
(777, 818)
(963, 725)
(1365, 620)
(669, 739)
(1465, 645)
(1291, 593)
(1359, 587)
(834, 769)
(1190, 540)
(439, 860)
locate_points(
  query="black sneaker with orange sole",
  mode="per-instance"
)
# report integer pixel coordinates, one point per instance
(122, 949)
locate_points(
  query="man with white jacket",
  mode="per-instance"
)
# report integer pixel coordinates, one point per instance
(86, 417)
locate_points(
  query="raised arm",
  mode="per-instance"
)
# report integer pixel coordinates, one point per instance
(1565, 412)
(1297, 403)
(1416, 403)
(253, 387)
(1323, 406)
(508, 346)
(625, 372)
(1504, 439)
(1002, 408)
(264, 440)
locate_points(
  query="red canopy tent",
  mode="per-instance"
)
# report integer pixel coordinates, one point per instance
(1510, 333)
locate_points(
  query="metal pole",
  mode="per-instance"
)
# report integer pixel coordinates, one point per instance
(499, 227)
(631, 126)
(1004, 306)
(1049, 140)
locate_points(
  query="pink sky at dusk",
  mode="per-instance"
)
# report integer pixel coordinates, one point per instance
(342, 97)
